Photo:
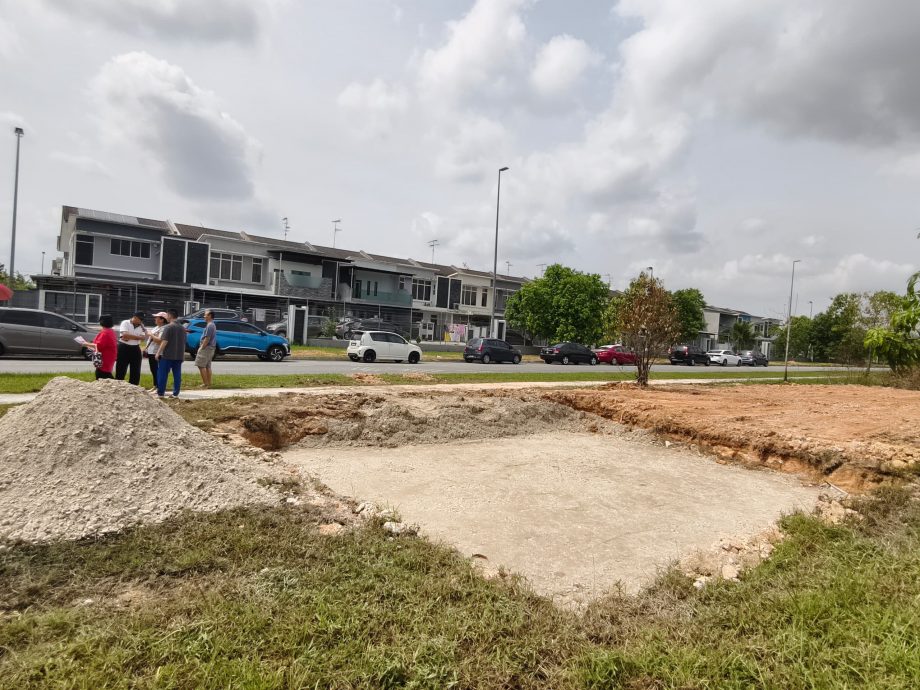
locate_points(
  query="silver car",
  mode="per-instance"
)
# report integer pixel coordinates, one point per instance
(35, 332)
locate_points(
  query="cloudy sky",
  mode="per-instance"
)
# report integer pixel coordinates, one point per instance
(714, 140)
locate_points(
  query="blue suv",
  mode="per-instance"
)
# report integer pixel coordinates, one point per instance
(239, 338)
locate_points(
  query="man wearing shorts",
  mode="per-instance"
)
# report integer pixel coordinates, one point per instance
(207, 349)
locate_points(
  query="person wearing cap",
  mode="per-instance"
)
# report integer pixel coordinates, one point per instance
(131, 334)
(170, 353)
(153, 344)
(207, 348)
(105, 344)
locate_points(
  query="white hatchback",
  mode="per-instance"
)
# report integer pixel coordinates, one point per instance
(370, 346)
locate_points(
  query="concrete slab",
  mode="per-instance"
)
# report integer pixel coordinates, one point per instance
(574, 513)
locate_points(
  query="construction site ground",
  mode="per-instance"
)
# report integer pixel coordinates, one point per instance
(582, 490)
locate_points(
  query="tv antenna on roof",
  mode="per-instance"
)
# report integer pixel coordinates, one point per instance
(433, 244)
(335, 230)
(508, 264)
(285, 226)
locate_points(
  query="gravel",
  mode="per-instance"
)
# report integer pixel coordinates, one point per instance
(89, 458)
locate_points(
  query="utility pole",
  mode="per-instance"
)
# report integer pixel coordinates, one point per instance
(609, 278)
(285, 226)
(43, 263)
(433, 244)
(12, 275)
(498, 201)
(789, 322)
(335, 230)
(542, 268)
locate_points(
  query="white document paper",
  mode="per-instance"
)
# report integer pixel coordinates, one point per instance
(81, 340)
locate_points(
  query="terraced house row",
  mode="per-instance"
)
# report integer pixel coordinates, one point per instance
(112, 263)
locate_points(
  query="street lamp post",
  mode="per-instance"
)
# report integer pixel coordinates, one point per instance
(335, 230)
(498, 200)
(12, 275)
(43, 263)
(789, 321)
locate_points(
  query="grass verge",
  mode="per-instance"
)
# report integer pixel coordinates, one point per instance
(32, 383)
(257, 598)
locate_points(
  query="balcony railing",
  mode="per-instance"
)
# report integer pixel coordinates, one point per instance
(401, 298)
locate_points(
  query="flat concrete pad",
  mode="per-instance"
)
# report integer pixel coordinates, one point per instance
(574, 513)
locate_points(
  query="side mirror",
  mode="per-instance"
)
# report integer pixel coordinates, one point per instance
(74, 327)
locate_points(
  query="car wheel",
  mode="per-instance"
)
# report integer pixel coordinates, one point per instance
(413, 357)
(724, 362)
(548, 361)
(194, 352)
(707, 362)
(370, 356)
(86, 352)
(565, 359)
(739, 363)
(486, 359)
(593, 361)
(691, 362)
(276, 353)
(516, 359)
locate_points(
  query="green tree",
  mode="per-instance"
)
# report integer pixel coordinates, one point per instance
(564, 304)
(20, 282)
(877, 310)
(741, 335)
(837, 332)
(800, 339)
(645, 318)
(899, 342)
(689, 304)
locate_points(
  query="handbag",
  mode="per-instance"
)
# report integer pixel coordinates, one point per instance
(97, 359)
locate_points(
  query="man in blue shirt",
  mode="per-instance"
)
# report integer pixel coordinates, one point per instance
(207, 348)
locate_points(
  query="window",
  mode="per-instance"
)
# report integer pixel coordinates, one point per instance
(297, 273)
(375, 288)
(132, 248)
(257, 270)
(356, 290)
(59, 322)
(226, 266)
(404, 283)
(393, 338)
(84, 250)
(421, 289)
(22, 318)
(247, 328)
(468, 296)
(485, 297)
(379, 337)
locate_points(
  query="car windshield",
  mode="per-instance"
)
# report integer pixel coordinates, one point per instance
(558, 345)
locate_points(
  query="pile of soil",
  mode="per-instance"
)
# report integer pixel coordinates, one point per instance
(89, 458)
(408, 418)
(851, 436)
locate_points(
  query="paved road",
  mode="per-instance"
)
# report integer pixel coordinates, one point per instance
(344, 366)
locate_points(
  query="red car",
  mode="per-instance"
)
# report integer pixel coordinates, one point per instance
(615, 354)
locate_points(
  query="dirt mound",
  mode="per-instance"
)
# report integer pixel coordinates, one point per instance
(88, 458)
(389, 420)
(852, 436)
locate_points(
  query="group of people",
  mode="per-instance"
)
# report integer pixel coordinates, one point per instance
(163, 346)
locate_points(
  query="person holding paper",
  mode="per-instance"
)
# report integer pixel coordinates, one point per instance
(105, 344)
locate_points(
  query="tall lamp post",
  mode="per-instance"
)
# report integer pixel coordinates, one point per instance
(335, 230)
(12, 275)
(789, 321)
(498, 200)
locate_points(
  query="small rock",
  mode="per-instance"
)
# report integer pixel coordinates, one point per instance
(730, 571)
(399, 529)
(668, 444)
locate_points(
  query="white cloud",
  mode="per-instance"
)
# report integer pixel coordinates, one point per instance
(476, 57)
(200, 150)
(470, 148)
(198, 20)
(10, 44)
(373, 108)
(560, 64)
(85, 164)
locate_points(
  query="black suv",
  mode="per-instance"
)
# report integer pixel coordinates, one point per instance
(688, 354)
(490, 350)
(753, 358)
(568, 353)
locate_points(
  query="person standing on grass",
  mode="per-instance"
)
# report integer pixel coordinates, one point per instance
(130, 355)
(170, 354)
(153, 344)
(207, 348)
(105, 347)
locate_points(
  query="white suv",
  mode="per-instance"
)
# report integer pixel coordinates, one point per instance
(373, 345)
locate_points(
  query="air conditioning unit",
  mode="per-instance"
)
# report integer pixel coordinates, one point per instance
(212, 281)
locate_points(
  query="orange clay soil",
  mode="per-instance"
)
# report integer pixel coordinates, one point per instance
(852, 436)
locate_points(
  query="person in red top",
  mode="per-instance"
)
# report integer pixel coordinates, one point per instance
(106, 344)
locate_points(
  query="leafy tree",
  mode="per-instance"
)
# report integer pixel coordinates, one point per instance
(741, 335)
(837, 333)
(647, 321)
(20, 282)
(564, 304)
(877, 309)
(899, 341)
(800, 338)
(689, 304)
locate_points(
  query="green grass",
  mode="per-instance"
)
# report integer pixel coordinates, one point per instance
(31, 383)
(257, 599)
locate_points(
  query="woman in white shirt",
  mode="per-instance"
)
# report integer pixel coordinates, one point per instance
(153, 344)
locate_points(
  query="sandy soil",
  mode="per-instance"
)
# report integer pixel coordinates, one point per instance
(575, 513)
(851, 436)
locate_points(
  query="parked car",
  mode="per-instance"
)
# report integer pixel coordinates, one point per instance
(615, 354)
(490, 350)
(315, 326)
(36, 332)
(370, 346)
(238, 338)
(568, 353)
(753, 358)
(351, 328)
(724, 358)
(224, 314)
(689, 355)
